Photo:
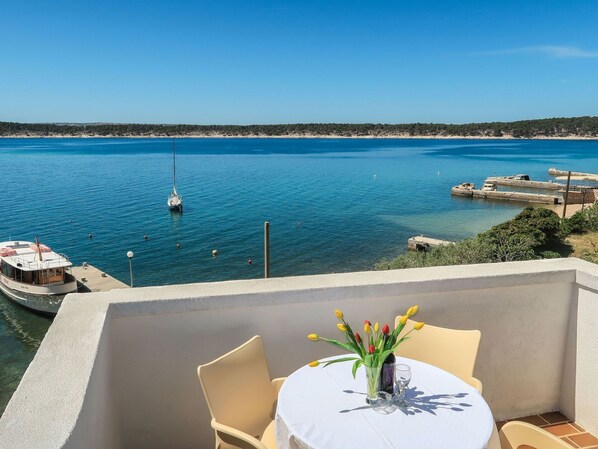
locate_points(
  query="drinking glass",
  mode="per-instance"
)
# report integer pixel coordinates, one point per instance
(402, 378)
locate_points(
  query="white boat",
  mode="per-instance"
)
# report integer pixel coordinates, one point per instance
(34, 276)
(175, 201)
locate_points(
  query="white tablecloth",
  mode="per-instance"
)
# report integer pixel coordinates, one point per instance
(324, 408)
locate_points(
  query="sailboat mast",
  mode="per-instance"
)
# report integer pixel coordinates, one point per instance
(174, 163)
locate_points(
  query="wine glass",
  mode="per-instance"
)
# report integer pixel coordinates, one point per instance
(402, 378)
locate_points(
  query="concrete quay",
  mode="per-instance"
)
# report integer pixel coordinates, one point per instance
(91, 279)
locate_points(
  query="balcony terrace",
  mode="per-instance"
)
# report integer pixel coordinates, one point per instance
(118, 369)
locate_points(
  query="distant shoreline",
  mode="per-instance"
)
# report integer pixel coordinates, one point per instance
(564, 128)
(292, 136)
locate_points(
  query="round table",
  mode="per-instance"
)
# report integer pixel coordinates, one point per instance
(324, 408)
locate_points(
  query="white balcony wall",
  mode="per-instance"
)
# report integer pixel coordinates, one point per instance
(132, 355)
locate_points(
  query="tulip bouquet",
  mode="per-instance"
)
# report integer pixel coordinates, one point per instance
(371, 349)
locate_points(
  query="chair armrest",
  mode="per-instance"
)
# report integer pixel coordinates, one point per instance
(236, 434)
(278, 383)
(477, 384)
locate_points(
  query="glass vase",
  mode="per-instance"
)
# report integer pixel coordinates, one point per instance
(372, 375)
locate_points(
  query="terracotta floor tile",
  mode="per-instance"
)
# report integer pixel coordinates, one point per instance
(560, 430)
(535, 420)
(569, 442)
(578, 427)
(525, 446)
(555, 417)
(584, 439)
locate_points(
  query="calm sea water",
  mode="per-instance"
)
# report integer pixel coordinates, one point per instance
(334, 205)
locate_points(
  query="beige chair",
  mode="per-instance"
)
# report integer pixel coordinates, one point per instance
(452, 350)
(241, 397)
(515, 434)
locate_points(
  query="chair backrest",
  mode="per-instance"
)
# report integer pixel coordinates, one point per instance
(452, 350)
(516, 433)
(238, 388)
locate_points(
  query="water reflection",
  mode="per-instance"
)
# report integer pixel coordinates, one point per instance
(21, 333)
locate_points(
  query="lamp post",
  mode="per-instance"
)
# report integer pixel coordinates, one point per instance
(130, 256)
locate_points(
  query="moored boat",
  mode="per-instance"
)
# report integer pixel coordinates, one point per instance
(34, 276)
(175, 201)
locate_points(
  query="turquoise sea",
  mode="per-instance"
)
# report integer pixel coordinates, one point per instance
(334, 205)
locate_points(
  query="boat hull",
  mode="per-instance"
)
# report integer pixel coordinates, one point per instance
(45, 303)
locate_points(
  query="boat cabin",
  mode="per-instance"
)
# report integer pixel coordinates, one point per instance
(34, 264)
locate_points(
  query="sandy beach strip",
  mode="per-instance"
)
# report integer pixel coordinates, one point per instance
(287, 136)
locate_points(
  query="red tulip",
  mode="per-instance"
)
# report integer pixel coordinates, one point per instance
(385, 329)
(357, 337)
(372, 349)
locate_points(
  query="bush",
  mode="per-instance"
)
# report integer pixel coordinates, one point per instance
(468, 251)
(581, 221)
(576, 224)
(533, 234)
(550, 255)
(536, 228)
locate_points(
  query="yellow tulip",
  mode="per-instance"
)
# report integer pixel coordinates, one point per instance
(414, 310)
(404, 319)
(418, 326)
(314, 363)
(313, 337)
(339, 314)
(341, 327)
(367, 328)
(376, 327)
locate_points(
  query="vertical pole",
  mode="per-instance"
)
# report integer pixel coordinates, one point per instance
(131, 270)
(130, 256)
(266, 249)
(566, 193)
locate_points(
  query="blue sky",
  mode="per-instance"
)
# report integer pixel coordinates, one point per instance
(242, 62)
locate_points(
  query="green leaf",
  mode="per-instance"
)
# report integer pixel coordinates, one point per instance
(356, 365)
(344, 359)
(344, 346)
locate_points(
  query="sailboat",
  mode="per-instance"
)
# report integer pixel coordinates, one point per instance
(175, 201)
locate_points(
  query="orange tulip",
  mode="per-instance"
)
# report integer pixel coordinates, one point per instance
(367, 328)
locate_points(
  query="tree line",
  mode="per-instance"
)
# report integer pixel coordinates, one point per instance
(551, 127)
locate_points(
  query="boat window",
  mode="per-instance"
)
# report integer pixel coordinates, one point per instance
(27, 277)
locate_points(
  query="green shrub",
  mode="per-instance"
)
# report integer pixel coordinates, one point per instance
(533, 234)
(550, 255)
(576, 224)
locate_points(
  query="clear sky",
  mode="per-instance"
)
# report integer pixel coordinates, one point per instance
(243, 62)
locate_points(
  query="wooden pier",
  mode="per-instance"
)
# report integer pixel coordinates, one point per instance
(91, 279)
